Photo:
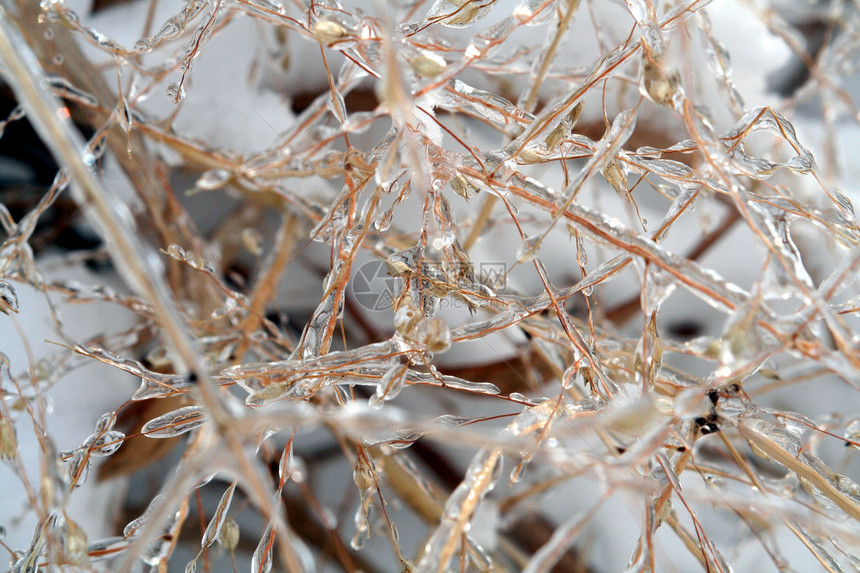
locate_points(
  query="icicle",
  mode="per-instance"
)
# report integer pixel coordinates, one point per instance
(213, 530)
(175, 423)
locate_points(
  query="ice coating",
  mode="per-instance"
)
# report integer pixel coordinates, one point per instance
(413, 244)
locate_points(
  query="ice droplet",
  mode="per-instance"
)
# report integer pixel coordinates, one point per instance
(581, 253)
(529, 249)
(213, 179)
(390, 385)
(105, 444)
(175, 92)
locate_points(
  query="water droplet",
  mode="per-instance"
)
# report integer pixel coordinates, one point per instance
(581, 253)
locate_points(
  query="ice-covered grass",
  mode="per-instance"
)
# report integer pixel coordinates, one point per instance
(464, 285)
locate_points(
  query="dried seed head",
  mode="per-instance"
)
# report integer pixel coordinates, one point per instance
(564, 128)
(574, 114)
(463, 188)
(362, 475)
(613, 175)
(428, 64)
(328, 31)
(659, 84)
(529, 155)
(160, 359)
(252, 240)
(555, 136)
(405, 320)
(229, 536)
(75, 542)
(465, 12)
(8, 438)
(397, 268)
(434, 334)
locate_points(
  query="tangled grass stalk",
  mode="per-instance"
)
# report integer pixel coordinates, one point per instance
(462, 285)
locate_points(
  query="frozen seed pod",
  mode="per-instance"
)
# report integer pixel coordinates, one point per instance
(328, 31)
(252, 240)
(362, 475)
(433, 334)
(405, 320)
(529, 156)
(8, 439)
(565, 128)
(75, 543)
(459, 13)
(615, 177)
(658, 83)
(228, 538)
(213, 179)
(428, 64)
(8, 298)
(396, 268)
(463, 188)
